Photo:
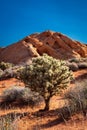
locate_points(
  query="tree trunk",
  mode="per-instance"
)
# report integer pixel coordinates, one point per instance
(47, 104)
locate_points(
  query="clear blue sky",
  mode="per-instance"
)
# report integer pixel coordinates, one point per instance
(19, 18)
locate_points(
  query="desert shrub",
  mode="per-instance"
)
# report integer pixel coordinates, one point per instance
(6, 122)
(47, 76)
(1, 73)
(9, 121)
(77, 99)
(76, 60)
(83, 59)
(82, 65)
(10, 94)
(72, 66)
(6, 65)
(21, 95)
(10, 72)
(77, 63)
(29, 97)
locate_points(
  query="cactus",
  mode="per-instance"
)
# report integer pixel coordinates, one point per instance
(47, 76)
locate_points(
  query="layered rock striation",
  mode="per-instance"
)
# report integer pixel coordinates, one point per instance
(53, 43)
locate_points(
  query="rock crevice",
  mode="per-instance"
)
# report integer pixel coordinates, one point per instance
(53, 43)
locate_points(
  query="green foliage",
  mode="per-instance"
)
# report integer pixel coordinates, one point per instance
(46, 75)
(6, 65)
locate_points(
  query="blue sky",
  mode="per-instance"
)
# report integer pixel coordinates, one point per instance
(19, 18)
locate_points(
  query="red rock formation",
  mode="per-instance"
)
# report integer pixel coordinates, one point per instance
(52, 43)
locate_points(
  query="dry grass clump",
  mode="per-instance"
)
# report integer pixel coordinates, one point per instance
(7, 122)
(10, 72)
(11, 94)
(72, 66)
(82, 65)
(75, 64)
(76, 100)
(77, 60)
(21, 95)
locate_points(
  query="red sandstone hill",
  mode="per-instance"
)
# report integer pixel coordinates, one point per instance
(52, 43)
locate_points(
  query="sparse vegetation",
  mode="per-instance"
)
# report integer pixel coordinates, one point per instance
(82, 65)
(10, 120)
(76, 100)
(47, 76)
(10, 72)
(72, 66)
(5, 65)
(10, 94)
(75, 64)
(1, 73)
(75, 60)
(21, 95)
(6, 123)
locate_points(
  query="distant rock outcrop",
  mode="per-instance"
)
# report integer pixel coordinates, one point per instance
(53, 43)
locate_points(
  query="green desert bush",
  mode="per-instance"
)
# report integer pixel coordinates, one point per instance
(21, 95)
(5, 65)
(47, 76)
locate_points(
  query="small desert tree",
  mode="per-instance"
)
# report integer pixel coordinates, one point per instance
(47, 76)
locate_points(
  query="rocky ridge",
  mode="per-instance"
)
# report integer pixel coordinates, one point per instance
(53, 43)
